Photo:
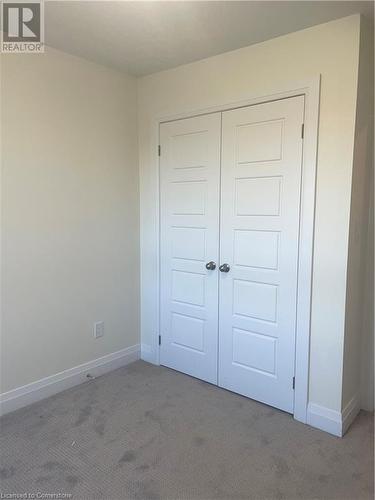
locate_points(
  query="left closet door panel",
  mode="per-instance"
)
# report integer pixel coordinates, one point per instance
(189, 200)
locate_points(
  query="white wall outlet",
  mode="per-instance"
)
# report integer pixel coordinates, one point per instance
(99, 329)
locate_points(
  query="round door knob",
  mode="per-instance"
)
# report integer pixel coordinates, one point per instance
(211, 265)
(224, 268)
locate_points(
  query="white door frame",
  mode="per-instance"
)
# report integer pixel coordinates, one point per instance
(311, 91)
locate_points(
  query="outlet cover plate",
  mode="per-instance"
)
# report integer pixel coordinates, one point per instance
(99, 329)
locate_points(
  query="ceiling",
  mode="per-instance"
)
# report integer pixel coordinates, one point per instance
(141, 37)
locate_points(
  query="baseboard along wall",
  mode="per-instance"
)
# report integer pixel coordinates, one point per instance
(48, 386)
(320, 417)
(334, 422)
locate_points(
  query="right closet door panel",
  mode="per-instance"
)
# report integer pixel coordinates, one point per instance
(259, 233)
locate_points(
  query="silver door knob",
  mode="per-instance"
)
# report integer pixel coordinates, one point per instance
(211, 265)
(224, 268)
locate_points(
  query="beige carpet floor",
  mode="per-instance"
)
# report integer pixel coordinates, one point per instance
(147, 432)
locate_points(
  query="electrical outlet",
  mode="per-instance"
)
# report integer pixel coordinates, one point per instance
(99, 329)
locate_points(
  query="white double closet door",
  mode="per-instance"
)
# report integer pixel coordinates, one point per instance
(230, 207)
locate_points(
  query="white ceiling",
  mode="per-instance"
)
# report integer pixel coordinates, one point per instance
(141, 37)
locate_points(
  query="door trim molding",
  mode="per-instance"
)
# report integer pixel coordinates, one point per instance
(310, 89)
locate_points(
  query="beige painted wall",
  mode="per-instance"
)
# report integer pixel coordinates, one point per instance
(70, 221)
(358, 379)
(330, 50)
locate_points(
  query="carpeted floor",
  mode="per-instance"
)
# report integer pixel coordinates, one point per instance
(147, 432)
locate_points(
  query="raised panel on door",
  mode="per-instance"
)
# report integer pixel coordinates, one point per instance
(189, 195)
(260, 206)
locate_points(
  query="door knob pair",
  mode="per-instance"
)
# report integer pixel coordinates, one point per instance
(211, 266)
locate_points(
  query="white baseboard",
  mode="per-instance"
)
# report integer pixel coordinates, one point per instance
(148, 354)
(43, 388)
(349, 413)
(334, 422)
(325, 419)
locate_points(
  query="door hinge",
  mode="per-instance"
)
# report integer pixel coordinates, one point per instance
(159, 150)
(294, 383)
(303, 131)
(159, 339)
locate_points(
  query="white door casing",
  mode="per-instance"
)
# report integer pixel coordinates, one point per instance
(260, 210)
(189, 236)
